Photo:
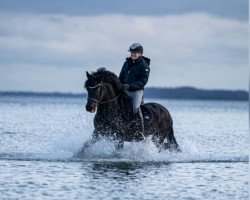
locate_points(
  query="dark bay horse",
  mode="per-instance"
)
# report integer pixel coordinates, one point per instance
(113, 118)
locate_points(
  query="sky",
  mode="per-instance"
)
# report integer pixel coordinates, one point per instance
(47, 46)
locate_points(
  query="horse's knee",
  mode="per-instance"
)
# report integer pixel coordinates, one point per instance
(119, 145)
(90, 142)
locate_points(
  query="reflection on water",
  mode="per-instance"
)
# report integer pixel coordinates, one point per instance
(114, 180)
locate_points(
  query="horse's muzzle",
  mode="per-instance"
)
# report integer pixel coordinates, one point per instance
(91, 106)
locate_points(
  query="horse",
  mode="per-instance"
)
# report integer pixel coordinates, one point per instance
(114, 117)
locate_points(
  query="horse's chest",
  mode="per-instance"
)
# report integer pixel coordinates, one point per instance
(107, 122)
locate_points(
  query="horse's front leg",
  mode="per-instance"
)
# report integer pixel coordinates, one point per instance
(93, 140)
(119, 137)
(119, 145)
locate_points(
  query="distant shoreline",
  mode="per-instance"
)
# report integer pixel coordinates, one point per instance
(152, 92)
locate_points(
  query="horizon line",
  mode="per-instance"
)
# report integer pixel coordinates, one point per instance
(151, 87)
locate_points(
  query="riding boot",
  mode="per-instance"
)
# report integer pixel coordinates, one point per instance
(141, 128)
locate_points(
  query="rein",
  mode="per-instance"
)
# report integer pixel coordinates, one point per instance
(95, 86)
(98, 103)
(109, 100)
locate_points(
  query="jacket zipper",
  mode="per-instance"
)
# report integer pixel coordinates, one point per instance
(127, 77)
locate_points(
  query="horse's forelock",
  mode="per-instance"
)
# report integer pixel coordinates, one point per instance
(106, 77)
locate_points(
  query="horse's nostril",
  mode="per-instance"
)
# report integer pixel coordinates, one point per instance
(90, 107)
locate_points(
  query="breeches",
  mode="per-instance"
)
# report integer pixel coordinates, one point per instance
(136, 98)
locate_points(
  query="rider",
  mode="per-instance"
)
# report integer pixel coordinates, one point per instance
(134, 76)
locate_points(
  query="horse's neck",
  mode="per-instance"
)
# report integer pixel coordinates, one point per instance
(115, 102)
(110, 101)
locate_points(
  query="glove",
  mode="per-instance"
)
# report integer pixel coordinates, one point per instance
(125, 86)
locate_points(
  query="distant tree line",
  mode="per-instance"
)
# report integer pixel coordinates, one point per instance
(194, 93)
(153, 92)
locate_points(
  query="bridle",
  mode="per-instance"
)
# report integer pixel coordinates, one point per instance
(103, 102)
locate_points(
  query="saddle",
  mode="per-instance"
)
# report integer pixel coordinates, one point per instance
(146, 110)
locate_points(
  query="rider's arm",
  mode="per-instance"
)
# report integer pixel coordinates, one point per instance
(138, 85)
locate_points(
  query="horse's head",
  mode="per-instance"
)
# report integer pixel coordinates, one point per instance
(93, 87)
(102, 86)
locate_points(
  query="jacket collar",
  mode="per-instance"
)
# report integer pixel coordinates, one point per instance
(142, 58)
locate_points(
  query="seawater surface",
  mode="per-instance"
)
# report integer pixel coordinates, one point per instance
(39, 136)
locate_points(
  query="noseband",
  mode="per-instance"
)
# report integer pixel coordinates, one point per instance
(93, 99)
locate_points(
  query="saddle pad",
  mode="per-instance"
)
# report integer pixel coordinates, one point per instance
(147, 113)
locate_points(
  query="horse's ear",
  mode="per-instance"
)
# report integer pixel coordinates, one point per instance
(87, 74)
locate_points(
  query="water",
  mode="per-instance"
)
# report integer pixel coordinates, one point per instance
(39, 136)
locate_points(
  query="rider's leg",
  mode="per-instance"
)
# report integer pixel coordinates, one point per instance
(136, 97)
(142, 100)
(141, 123)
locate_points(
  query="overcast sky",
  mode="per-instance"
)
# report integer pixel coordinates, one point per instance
(48, 45)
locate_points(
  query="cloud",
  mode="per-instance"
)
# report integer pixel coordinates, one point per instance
(191, 49)
(222, 8)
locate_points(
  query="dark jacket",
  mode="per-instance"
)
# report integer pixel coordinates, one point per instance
(135, 74)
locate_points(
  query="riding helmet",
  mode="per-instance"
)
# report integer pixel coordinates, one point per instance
(136, 47)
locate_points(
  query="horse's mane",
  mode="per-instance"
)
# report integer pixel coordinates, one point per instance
(105, 76)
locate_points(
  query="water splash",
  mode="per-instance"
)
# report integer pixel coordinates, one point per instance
(65, 148)
(57, 131)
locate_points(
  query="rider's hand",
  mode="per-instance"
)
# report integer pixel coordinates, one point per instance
(125, 86)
